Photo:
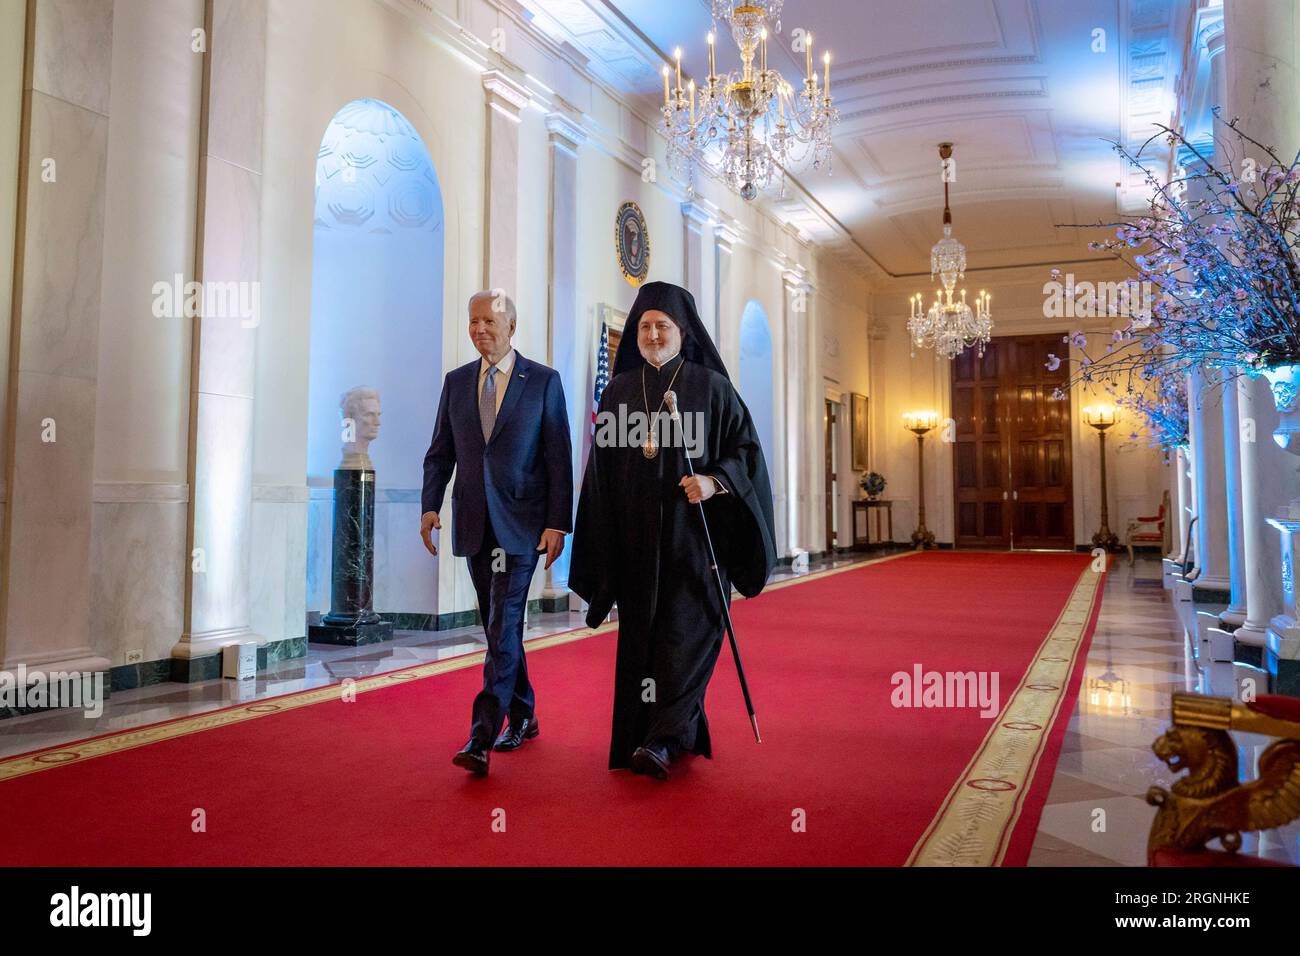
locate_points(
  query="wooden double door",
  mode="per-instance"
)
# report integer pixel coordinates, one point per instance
(1012, 484)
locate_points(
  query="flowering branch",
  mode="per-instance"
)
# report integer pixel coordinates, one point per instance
(1217, 282)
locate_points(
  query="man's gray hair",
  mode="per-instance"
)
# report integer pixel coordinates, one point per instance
(502, 304)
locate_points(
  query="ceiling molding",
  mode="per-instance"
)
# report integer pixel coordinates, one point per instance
(873, 76)
(945, 100)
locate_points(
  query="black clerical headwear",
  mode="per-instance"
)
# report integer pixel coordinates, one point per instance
(679, 304)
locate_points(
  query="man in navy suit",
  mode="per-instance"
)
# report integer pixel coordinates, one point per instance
(503, 426)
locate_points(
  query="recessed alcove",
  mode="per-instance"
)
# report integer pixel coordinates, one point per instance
(376, 321)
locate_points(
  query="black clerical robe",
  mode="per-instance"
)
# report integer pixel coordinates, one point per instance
(639, 543)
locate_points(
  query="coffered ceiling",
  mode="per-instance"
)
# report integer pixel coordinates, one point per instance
(1031, 92)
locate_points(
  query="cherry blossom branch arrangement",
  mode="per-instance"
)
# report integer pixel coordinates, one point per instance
(1216, 285)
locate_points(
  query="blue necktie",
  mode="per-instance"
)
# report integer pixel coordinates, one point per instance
(487, 403)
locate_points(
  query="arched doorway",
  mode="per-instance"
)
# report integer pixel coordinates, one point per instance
(376, 321)
(756, 373)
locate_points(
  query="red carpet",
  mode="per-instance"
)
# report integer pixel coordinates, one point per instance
(370, 782)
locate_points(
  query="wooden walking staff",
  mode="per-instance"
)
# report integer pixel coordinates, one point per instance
(670, 398)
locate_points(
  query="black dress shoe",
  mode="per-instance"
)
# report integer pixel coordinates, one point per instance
(651, 760)
(513, 737)
(474, 758)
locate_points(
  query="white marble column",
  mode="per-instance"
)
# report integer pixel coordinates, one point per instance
(1268, 482)
(1260, 65)
(218, 606)
(1204, 396)
(571, 339)
(1225, 394)
(1214, 480)
(1263, 84)
(505, 99)
(1178, 518)
(45, 558)
(1182, 500)
(1235, 614)
(1282, 652)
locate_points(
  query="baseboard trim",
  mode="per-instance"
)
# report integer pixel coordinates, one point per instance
(194, 669)
(449, 621)
(1211, 596)
(1250, 654)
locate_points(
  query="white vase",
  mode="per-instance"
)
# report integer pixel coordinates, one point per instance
(1285, 383)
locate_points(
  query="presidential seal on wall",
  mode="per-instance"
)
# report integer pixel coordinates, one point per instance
(633, 242)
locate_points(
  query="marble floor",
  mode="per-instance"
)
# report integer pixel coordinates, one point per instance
(1106, 763)
(1139, 657)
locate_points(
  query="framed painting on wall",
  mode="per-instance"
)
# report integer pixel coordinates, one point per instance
(859, 424)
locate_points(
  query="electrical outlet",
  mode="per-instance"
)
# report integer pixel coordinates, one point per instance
(135, 657)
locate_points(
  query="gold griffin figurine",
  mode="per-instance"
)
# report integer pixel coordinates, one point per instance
(1210, 802)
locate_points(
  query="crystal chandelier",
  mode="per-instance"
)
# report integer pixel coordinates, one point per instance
(949, 326)
(749, 125)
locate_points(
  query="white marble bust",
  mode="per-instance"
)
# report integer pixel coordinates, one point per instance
(360, 406)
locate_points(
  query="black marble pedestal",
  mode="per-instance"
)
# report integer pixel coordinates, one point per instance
(352, 619)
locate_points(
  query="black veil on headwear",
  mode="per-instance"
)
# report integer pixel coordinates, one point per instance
(678, 303)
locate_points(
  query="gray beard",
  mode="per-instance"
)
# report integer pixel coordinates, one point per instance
(659, 358)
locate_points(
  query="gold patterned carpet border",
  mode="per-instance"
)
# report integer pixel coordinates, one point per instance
(80, 750)
(976, 820)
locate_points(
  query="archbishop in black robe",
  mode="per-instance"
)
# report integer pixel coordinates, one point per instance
(640, 544)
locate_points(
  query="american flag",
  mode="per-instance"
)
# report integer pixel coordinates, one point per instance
(602, 372)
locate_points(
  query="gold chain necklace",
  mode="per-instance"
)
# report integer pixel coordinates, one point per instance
(650, 449)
